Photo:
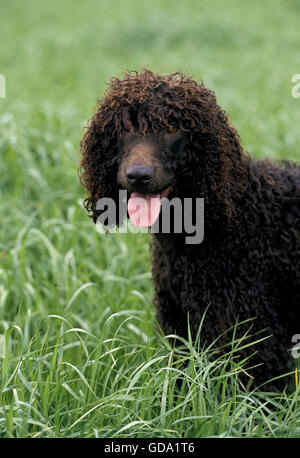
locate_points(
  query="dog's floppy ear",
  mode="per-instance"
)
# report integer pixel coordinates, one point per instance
(99, 168)
(221, 166)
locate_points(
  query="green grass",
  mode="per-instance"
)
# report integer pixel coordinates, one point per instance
(80, 352)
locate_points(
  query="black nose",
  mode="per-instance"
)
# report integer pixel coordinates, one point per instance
(139, 174)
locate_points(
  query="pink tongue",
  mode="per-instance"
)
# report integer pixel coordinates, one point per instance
(143, 209)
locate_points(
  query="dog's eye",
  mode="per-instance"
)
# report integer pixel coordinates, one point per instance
(172, 128)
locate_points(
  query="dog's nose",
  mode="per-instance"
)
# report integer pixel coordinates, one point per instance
(139, 174)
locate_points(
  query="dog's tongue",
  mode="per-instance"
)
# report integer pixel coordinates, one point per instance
(143, 209)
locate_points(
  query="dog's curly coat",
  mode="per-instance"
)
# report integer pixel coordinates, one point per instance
(248, 265)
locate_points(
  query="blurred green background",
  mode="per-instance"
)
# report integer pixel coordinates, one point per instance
(57, 57)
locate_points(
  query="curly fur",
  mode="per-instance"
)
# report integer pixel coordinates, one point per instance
(248, 264)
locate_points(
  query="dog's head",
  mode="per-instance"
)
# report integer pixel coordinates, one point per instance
(161, 136)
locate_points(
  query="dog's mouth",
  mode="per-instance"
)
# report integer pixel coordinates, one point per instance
(144, 209)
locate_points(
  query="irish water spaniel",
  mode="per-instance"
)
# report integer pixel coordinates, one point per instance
(161, 137)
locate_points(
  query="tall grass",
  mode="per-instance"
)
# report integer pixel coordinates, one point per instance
(65, 381)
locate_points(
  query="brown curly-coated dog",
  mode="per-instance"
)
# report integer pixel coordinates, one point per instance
(165, 136)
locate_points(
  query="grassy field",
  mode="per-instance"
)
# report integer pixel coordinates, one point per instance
(80, 352)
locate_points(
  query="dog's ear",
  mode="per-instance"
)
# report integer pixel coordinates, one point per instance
(234, 167)
(98, 172)
(220, 169)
